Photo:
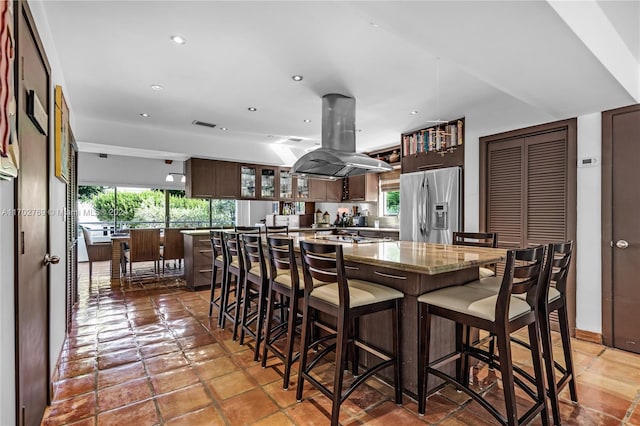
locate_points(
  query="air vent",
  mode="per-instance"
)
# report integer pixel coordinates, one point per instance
(102, 155)
(296, 140)
(204, 124)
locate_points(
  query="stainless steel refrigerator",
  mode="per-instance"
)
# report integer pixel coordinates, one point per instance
(430, 205)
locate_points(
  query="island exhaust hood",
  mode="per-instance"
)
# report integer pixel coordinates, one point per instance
(337, 157)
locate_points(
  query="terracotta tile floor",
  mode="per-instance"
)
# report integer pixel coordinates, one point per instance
(147, 353)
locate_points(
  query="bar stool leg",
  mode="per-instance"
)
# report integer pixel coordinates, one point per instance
(506, 372)
(566, 348)
(213, 289)
(424, 343)
(304, 343)
(239, 301)
(547, 354)
(397, 367)
(342, 340)
(536, 356)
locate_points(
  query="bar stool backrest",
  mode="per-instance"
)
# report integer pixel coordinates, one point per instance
(476, 239)
(557, 268)
(253, 253)
(233, 250)
(217, 243)
(247, 229)
(270, 230)
(523, 273)
(282, 257)
(323, 263)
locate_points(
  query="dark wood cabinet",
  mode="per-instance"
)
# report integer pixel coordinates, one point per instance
(433, 147)
(198, 266)
(200, 178)
(363, 188)
(227, 179)
(325, 190)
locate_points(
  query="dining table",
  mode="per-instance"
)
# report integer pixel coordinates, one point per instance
(116, 251)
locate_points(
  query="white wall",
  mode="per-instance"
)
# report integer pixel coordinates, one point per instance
(7, 314)
(589, 236)
(127, 171)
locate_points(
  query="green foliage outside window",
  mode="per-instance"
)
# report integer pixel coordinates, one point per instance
(391, 203)
(149, 206)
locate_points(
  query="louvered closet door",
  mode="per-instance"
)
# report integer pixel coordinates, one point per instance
(527, 192)
(505, 207)
(546, 188)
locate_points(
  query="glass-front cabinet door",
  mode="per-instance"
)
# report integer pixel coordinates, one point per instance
(302, 188)
(248, 182)
(286, 185)
(268, 182)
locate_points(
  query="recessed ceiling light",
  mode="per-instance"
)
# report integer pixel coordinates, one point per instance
(223, 128)
(252, 109)
(374, 25)
(145, 115)
(359, 130)
(269, 136)
(306, 120)
(178, 39)
(297, 77)
(414, 112)
(156, 87)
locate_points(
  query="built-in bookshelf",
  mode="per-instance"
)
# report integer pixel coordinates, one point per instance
(440, 145)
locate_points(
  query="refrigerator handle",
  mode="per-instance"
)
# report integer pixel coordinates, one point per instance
(419, 207)
(424, 231)
(427, 208)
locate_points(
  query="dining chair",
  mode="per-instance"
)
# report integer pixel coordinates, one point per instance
(327, 290)
(500, 314)
(96, 251)
(144, 246)
(172, 247)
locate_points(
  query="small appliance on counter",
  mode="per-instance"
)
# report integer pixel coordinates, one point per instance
(359, 221)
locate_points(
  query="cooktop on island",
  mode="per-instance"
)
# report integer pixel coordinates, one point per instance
(354, 239)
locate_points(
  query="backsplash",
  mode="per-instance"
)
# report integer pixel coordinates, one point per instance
(366, 209)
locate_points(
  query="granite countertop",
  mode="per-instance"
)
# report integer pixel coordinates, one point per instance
(306, 229)
(424, 258)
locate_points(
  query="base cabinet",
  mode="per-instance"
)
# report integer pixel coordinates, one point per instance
(198, 261)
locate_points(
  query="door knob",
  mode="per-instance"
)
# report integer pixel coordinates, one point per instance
(49, 259)
(622, 244)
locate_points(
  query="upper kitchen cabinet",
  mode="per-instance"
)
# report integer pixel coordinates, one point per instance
(211, 179)
(302, 188)
(362, 188)
(269, 183)
(248, 181)
(325, 190)
(227, 179)
(433, 147)
(286, 188)
(200, 178)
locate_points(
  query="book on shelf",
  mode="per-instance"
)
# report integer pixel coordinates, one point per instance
(460, 134)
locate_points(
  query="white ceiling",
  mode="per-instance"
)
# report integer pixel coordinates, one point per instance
(521, 57)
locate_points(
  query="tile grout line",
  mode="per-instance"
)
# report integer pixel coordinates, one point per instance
(635, 403)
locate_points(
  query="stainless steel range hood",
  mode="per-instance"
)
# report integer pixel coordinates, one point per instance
(337, 157)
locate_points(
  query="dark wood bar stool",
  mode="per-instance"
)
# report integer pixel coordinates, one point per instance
(327, 290)
(478, 239)
(498, 313)
(552, 299)
(234, 274)
(256, 285)
(285, 282)
(218, 263)
(270, 230)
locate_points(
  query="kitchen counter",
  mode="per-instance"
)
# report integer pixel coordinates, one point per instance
(304, 229)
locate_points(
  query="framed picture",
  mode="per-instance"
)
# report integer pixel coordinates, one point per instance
(62, 134)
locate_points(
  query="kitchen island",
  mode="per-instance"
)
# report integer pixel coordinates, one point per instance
(411, 267)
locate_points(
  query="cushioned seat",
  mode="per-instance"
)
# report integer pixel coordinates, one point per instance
(360, 293)
(473, 301)
(284, 278)
(492, 284)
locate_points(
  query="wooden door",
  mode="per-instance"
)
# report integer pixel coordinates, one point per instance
(32, 229)
(528, 190)
(621, 233)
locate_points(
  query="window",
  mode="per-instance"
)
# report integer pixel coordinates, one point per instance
(390, 203)
(390, 193)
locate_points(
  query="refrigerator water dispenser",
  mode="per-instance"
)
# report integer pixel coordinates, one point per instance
(441, 213)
